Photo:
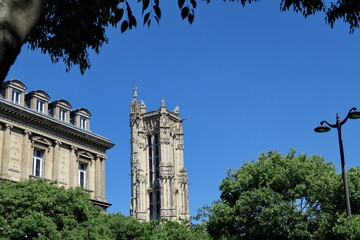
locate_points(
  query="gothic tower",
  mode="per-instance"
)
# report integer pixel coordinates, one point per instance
(159, 182)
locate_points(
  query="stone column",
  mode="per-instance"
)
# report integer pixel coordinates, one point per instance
(26, 157)
(91, 176)
(6, 151)
(72, 167)
(97, 178)
(103, 179)
(56, 161)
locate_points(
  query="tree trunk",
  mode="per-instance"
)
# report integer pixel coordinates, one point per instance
(17, 18)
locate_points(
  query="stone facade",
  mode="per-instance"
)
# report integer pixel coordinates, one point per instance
(159, 181)
(42, 139)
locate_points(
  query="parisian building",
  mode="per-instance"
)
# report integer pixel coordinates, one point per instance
(159, 180)
(50, 140)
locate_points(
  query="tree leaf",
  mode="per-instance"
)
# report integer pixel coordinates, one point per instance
(146, 17)
(118, 15)
(181, 3)
(145, 5)
(157, 11)
(132, 21)
(191, 18)
(193, 2)
(124, 26)
(184, 12)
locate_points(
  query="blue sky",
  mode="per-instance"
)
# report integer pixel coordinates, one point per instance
(248, 80)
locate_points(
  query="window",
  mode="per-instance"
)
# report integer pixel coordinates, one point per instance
(38, 163)
(82, 175)
(157, 157)
(40, 106)
(15, 96)
(150, 159)
(158, 204)
(62, 115)
(151, 205)
(83, 123)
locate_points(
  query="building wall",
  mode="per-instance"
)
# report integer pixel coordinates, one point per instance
(158, 176)
(62, 146)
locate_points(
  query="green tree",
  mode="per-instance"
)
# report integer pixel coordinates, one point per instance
(37, 209)
(68, 29)
(284, 197)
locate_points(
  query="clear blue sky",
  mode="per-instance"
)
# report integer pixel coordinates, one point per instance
(248, 80)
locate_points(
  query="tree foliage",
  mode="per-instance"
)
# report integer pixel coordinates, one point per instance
(37, 209)
(285, 197)
(68, 29)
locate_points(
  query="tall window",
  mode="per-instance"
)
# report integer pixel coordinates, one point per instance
(82, 175)
(83, 123)
(38, 163)
(150, 159)
(158, 204)
(157, 157)
(151, 205)
(40, 106)
(62, 114)
(15, 96)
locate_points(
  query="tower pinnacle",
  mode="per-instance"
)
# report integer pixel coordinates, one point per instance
(135, 91)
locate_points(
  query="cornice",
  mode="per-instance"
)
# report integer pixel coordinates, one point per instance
(51, 124)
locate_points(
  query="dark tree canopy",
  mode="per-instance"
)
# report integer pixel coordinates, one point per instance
(285, 197)
(68, 29)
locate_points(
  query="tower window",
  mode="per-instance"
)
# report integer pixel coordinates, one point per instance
(158, 204)
(38, 163)
(82, 175)
(151, 205)
(157, 157)
(15, 96)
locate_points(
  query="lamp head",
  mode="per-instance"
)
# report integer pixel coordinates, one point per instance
(355, 114)
(322, 129)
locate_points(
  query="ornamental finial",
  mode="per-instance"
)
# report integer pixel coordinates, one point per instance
(135, 91)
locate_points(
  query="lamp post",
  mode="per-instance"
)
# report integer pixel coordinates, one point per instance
(353, 114)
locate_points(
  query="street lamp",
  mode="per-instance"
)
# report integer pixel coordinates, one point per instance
(353, 114)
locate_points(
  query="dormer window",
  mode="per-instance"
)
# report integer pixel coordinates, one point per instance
(81, 118)
(38, 101)
(62, 116)
(83, 123)
(40, 106)
(15, 96)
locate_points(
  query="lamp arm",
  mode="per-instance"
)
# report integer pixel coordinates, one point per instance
(327, 123)
(347, 116)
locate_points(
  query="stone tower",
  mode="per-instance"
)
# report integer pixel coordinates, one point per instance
(159, 181)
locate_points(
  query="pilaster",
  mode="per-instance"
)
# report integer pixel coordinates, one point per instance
(26, 157)
(5, 152)
(56, 160)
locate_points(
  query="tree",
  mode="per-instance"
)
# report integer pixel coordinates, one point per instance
(68, 29)
(284, 197)
(37, 209)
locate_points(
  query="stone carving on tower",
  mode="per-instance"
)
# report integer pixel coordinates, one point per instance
(159, 181)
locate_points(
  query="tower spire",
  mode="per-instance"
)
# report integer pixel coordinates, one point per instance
(135, 91)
